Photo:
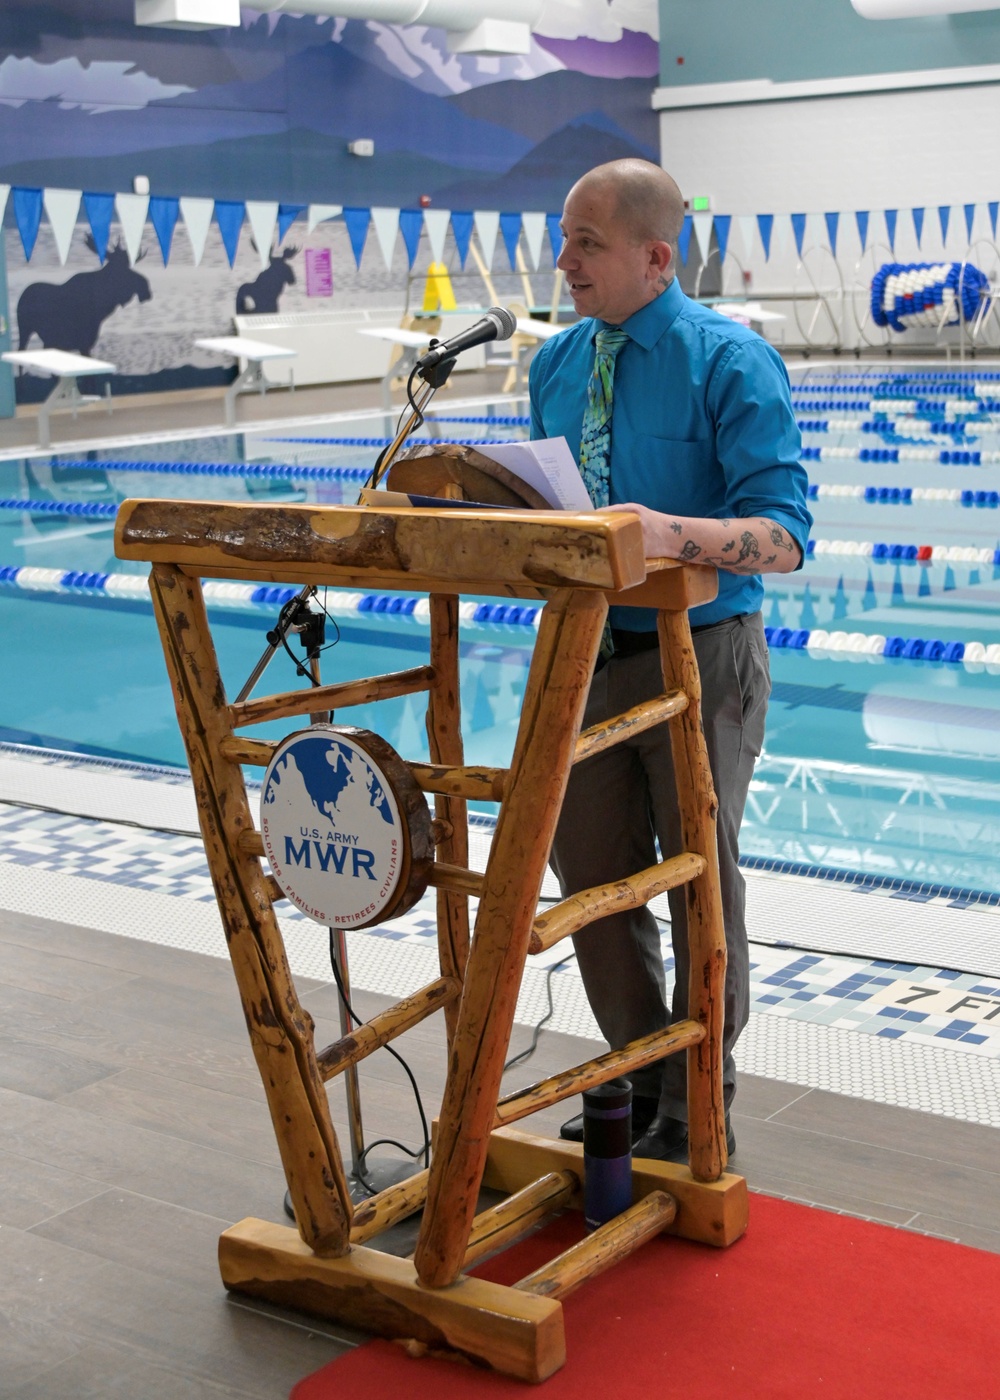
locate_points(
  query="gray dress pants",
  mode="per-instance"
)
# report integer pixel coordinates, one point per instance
(620, 802)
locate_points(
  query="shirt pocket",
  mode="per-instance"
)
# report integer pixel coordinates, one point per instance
(676, 475)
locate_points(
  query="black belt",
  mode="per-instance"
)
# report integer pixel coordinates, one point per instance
(629, 643)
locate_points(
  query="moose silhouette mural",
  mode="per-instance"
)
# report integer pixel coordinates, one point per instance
(69, 315)
(260, 297)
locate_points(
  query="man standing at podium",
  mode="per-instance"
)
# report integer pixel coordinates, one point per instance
(685, 418)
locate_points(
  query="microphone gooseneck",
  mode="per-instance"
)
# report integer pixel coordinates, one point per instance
(497, 324)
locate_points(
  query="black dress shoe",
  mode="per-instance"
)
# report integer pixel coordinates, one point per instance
(643, 1113)
(666, 1140)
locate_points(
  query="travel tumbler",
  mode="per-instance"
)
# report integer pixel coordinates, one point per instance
(607, 1151)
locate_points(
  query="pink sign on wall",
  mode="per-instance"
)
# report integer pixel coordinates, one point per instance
(319, 272)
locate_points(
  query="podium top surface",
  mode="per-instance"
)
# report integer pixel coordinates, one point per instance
(526, 553)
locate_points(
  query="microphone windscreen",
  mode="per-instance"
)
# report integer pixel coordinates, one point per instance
(507, 320)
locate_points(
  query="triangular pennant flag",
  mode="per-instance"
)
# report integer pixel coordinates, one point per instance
(28, 215)
(918, 224)
(262, 216)
(993, 206)
(461, 228)
(132, 210)
(320, 212)
(723, 223)
(799, 229)
(229, 216)
(746, 225)
(386, 222)
(4, 193)
(436, 223)
(163, 213)
(100, 211)
(703, 234)
(62, 207)
(411, 226)
(287, 214)
(832, 224)
(861, 218)
(684, 238)
(970, 219)
(765, 226)
(534, 235)
(510, 227)
(197, 215)
(890, 226)
(780, 230)
(487, 227)
(357, 230)
(944, 214)
(552, 223)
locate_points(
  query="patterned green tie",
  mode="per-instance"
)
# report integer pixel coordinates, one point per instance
(595, 442)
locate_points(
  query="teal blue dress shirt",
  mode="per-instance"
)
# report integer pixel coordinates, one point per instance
(702, 426)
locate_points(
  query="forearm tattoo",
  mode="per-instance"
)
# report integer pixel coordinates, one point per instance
(744, 553)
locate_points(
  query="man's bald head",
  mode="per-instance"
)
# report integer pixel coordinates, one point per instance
(647, 201)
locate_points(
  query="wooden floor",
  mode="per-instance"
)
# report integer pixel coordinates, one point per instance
(133, 1130)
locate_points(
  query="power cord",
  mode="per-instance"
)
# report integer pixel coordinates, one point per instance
(425, 1151)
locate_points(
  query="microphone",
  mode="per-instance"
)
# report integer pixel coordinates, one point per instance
(497, 324)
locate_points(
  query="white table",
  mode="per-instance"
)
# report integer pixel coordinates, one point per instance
(747, 311)
(256, 353)
(67, 367)
(411, 343)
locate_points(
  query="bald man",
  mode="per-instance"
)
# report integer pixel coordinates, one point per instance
(704, 448)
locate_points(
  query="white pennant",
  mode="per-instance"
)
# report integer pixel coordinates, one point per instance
(263, 217)
(533, 226)
(4, 195)
(319, 212)
(386, 223)
(781, 231)
(747, 225)
(62, 207)
(703, 233)
(436, 223)
(132, 209)
(197, 216)
(487, 223)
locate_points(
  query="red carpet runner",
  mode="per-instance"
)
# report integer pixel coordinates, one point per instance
(808, 1305)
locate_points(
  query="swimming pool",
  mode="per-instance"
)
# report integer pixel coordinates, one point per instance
(876, 763)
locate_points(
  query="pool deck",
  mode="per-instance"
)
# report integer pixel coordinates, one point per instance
(134, 1127)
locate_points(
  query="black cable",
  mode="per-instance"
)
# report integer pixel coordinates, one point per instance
(536, 1033)
(425, 1151)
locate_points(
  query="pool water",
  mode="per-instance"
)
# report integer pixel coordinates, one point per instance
(878, 764)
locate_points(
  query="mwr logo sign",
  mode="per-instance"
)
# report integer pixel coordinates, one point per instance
(332, 827)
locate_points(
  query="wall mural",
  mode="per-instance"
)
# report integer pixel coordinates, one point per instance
(89, 100)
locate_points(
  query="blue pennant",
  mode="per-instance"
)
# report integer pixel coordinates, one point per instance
(552, 222)
(229, 216)
(357, 221)
(765, 225)
(28, 213)
(970, 215)
(832, 224)
(861, 218)
(100, 211)
(723, 222)
(799, 229)
(993, 206)
(944, 214)
(684, 238)
(411, 225)
(890, 226)
(918, 224)
(461, 228)
(163, 214)
(510, 227)
(287, 214)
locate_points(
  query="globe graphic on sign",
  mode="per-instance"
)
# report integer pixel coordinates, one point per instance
(331, 828)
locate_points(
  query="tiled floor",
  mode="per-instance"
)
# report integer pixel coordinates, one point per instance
(133, 1127)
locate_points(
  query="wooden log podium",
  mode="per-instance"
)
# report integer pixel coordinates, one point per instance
(577, 564)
